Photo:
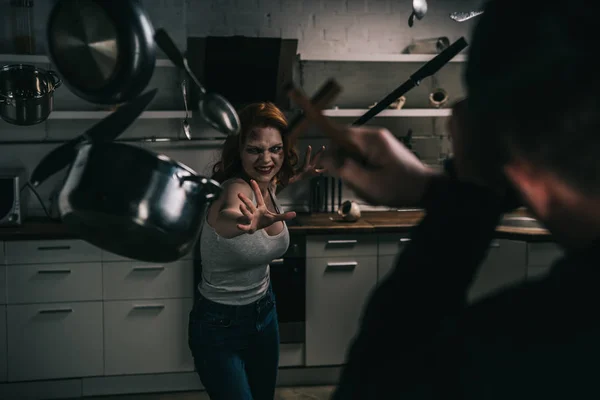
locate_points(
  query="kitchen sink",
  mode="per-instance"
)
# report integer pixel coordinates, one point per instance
(521, 222)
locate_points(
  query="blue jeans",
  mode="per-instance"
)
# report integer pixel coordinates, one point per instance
(236, 348)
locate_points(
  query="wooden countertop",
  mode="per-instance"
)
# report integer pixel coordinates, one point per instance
(321, 223)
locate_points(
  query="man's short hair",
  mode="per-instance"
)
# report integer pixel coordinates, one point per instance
(531, 72)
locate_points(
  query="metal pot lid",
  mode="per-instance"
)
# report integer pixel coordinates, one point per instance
(83, 31)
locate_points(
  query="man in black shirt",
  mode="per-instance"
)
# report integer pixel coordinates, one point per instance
(530, 124)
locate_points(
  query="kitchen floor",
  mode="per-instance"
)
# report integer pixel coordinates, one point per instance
(283, 393)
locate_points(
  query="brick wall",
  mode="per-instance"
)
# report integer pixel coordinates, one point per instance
(337, 27)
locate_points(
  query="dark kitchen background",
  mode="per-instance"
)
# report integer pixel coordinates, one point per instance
(335, 38)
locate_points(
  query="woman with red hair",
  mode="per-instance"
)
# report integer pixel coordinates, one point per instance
(233, 329)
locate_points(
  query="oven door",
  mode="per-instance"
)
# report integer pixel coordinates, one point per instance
(288, 278)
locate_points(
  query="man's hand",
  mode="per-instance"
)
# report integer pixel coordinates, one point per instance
(399, 179)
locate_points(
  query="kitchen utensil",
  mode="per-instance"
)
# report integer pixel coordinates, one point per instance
(336, 134)
(134, 203)
(26, 94)
(185, 124)
(322, 99)
(430, 68)
(419, 11)
(107, 130)
(104, 50)
(217, 111)
(465, 16)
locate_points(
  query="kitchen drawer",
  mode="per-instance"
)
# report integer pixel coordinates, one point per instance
(41, 283)
(2, 284)
(542, 254)
(54, 340)
(3, 345)
(385, 266)
(341, 245)
(108, 256)
(50, 251)
(2, 260)
(123, 280)
(392, 244)
(143, 336)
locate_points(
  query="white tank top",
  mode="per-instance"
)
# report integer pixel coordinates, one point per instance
(235, 271)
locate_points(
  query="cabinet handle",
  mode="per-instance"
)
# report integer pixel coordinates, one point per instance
(55, 311)
(341, 266)
(149, 307)
(404, 240)
(277, 261)
(156, 268)
(352, 241)
(46, 248)
(54, 271)
(495, 244)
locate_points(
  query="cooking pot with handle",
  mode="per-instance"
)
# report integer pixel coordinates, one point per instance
(135, 203)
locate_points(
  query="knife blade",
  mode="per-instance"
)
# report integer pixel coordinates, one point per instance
(106, 130)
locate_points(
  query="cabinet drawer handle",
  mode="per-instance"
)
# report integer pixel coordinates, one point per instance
(404, 240)
(149, 307)
(53, 271)
(352, 241)
(46, 248)
(495, 244)
(157, 268)
(341, 266)
(277, 261)
(55, 310)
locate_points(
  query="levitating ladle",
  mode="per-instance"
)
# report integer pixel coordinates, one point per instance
(215, 109)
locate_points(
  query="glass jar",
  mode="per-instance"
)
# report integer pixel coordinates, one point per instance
(22, 26)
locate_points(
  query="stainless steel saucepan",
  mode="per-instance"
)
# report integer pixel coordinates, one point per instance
(26, 94)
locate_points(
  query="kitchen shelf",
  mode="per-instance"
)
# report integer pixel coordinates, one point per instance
(102, 114)
(405, 112)
(42, 59)
(378, 57)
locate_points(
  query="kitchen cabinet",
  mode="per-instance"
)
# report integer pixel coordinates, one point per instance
(54, 309)
(146, 312)
(505, 265)
(340, 275)
(540, 258)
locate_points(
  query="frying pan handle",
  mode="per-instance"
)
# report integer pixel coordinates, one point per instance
(56, 81)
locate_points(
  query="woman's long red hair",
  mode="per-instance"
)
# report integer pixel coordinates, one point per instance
(263, 114)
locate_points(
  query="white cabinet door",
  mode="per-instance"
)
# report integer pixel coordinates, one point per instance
(128, 280)
(147, 336)
(336, 291)
(50, 283)
(50, 251)
(505, 265)
(3, 346)
(54, 340)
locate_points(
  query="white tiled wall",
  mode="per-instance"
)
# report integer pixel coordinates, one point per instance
(321, 26)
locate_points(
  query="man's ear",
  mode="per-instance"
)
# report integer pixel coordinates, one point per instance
(531, 183)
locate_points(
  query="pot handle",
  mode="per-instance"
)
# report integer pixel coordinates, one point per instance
(56, 81)
(202, 181)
